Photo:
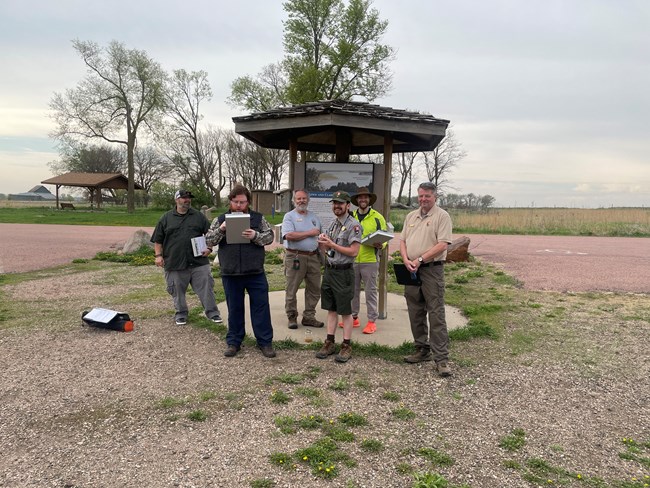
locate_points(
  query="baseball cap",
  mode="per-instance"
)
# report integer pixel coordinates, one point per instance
(340, 196)
(183, 194)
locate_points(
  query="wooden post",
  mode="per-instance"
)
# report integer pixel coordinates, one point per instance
(293, 161)
(382, 287)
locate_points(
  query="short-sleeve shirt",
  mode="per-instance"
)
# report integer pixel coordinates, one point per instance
(343, 234)
(294, 221)
(421, 233)
(175, 231)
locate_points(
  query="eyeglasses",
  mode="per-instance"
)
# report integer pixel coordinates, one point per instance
(239, 202)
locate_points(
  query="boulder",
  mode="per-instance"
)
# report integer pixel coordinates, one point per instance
(458, 250)
(136, 241)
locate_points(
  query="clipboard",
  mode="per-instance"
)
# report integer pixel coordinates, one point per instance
(404, 276)
(236, 223)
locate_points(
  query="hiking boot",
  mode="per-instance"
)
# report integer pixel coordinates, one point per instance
(443, 369)
(328, 349)
(355, 322)
(181, 321)
(217, 319)
(231, 351)
(293, 323)
(267, 351)
(344, 354)
(421, 354)
(312, 322)
(370, 328)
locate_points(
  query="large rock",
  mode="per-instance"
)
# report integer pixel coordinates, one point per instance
(136, 241)
(458, 250)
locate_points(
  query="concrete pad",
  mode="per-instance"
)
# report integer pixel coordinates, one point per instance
(392, 331)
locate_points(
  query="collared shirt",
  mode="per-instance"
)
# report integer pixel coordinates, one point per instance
(421, 233)
(343, 233)
(295, 221)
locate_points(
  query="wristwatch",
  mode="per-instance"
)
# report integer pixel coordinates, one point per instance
(420, 260)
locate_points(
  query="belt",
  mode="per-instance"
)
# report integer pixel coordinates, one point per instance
(340, 266)
(432, 263)
(306, 253)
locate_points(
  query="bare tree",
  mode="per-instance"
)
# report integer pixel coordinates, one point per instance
(122, 91)
(404, 170)
(196, 153)
(440, 162)
(150, 166)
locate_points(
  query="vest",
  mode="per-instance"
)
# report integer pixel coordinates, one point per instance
(241, 259)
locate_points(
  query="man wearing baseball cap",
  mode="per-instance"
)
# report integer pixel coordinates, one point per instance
(172, 240)
(341, 245)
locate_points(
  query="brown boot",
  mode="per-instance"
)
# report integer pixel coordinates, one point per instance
(327, 350)
(443, 369)
(312, 322)
(344, 354)
(421, 354)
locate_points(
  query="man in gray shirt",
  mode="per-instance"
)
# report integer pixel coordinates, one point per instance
(300, 230)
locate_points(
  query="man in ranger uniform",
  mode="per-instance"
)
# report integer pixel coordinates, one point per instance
(341, 244)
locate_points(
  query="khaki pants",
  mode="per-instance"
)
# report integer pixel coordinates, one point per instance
(366, 273)
(428, 300)
(309, 271)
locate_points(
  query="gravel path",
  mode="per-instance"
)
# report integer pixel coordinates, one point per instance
(83, 407)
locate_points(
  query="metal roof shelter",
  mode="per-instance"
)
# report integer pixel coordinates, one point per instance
(343, 128)
(94, 182)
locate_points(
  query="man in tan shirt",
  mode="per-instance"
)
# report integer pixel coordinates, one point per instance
(425, 237)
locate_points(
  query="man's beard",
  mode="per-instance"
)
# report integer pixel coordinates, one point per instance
(302, 207)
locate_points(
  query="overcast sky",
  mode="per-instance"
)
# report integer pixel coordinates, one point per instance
(550, 100)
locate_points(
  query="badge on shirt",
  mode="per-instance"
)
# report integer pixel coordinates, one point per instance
(357, 229)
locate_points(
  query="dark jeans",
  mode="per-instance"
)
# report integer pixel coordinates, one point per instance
(257, 287)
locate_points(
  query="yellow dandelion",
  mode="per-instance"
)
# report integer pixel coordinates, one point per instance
(304, 458)
(579, 476)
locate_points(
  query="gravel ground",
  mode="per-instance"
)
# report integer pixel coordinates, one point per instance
(84, 407)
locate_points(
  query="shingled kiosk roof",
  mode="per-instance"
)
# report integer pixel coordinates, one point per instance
(92, 181)
(316, 125)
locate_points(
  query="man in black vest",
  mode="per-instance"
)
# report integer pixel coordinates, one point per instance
(242, 270)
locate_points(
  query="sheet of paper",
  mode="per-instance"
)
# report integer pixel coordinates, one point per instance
(199, 245)
(102, 315)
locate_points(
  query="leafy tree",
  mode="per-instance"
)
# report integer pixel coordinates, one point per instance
(123, 90)
(252, 165)
(332, 51)
(84, 158)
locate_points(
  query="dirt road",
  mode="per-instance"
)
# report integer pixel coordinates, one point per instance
(617, 264)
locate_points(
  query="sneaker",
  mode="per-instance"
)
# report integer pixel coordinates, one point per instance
(355, 322)
(312, 322)
(370, 328)
(267, 351)
(421, 354)
(217, 319)
(231, 351)
(328, 349)
(344, 354)
(443, 369)
(181, 321)
(293, 323)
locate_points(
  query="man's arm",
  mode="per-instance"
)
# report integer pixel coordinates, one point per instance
(299, 236)
(264, 236)
(215, 233)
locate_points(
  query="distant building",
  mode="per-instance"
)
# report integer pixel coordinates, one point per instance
(37, 194)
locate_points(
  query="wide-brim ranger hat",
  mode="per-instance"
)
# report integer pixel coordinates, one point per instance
(364, 191)
(341, 197)
(183, 194)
